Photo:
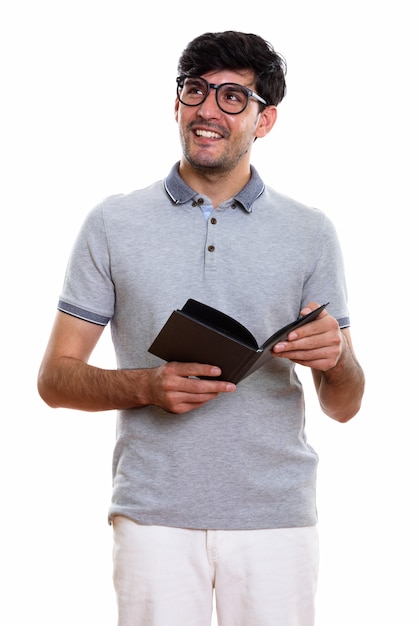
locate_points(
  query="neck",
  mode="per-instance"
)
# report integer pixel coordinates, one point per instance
(216, 185)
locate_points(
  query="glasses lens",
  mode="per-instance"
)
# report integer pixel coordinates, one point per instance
(232, 98)
(193, 91)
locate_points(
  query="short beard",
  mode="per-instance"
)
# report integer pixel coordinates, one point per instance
(202, 165)
(222, 165)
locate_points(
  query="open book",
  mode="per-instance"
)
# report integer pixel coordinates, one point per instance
(199, 333)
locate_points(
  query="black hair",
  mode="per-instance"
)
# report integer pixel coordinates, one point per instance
(234, 50)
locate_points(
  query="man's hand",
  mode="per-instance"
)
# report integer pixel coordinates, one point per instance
(176, 388)
(328, 351)
(318, 344)
(66, 379)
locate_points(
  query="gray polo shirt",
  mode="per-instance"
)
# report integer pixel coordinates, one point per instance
(241, 461)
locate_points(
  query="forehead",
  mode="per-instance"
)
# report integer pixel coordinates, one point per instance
(243, 77)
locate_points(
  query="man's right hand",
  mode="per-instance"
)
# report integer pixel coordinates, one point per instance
(67, 380)
(176, 387)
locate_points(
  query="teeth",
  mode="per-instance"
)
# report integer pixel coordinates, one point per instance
(207, 133)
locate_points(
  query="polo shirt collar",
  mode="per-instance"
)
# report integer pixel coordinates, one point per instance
(180, 192)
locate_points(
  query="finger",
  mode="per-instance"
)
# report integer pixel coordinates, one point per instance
(186, 377)
(180, 402)
(205, 386)
(323, 325)
(193, 369)
(299, 344)
(201, 372)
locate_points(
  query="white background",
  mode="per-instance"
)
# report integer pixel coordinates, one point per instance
(80, 120)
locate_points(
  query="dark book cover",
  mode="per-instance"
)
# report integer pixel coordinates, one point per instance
(198, 333)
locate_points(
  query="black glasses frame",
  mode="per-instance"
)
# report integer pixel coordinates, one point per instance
(250, 93)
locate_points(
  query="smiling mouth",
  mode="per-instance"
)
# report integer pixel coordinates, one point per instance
(209, 134)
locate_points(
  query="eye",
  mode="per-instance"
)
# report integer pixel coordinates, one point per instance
(194, 88)
(233, 94)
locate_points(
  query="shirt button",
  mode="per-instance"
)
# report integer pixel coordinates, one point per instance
(213, 220)
(211, 248)
(200, 201)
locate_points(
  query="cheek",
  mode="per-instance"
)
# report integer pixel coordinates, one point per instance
(247, 130)
(182, 116)
(246, 124)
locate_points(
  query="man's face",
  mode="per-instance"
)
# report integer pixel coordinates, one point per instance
(214, 140)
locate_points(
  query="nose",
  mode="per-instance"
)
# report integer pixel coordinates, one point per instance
(209, 107)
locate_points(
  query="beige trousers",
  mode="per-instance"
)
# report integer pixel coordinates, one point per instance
(168, 576)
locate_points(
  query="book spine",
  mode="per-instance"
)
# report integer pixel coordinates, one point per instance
(244, 367)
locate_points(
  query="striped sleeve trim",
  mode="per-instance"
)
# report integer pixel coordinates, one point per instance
(344, 322)
(82, 314)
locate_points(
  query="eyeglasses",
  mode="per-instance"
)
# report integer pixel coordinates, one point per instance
(231, 98)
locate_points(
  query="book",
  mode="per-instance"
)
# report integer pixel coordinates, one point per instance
(199, 333)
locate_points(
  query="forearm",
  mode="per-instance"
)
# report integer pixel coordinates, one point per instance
(340, 389)
(71, 383)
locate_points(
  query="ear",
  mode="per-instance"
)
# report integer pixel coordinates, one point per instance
(176, 109)
(267, 120)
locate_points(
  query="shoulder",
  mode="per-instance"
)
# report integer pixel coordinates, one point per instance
(123, 208)
(134, 199)
(291, 216)
(280, 202)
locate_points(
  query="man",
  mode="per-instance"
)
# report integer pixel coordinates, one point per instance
(214, 483)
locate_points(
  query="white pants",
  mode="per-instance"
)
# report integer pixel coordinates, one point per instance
(166, 576)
